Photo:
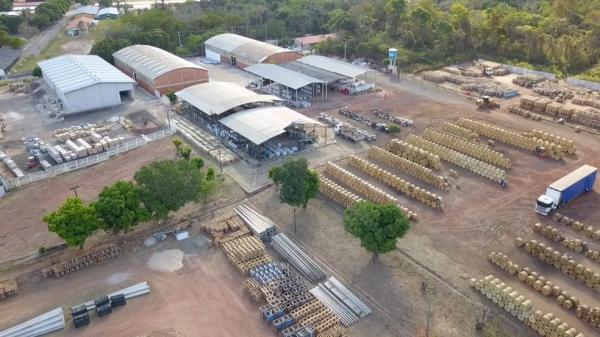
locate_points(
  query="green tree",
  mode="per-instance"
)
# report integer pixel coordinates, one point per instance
(37, 72)
(172, 97)
(6, 5)
(73, 222)
(105, 3)
(84, 2)
(394, 128)
(377, 226)
(275, 175)
(209, 185)
(298, 182)
(167, 185)
(185, 152)
(105, 48)
(177, 142)
(198, 162)
(119, 207)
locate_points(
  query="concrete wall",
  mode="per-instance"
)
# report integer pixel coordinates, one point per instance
(97, 96)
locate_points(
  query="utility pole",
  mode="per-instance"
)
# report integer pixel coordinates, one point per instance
(345, 44)
(179, 38)
(74, 189)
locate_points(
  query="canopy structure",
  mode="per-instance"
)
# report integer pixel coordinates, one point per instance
(333, 65)
(263, 123)
(215, 98)
(305, 69)
(282, 75)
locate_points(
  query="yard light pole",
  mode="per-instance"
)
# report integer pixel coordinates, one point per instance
(74, 189)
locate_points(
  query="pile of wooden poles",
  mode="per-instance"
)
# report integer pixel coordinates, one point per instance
(459, 159)
(414, 154)
(418, 171)
(405, 187)
(469, 148)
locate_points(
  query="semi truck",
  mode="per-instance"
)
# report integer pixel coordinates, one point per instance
(566, 189)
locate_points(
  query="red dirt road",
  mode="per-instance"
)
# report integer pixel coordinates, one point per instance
(22, 230)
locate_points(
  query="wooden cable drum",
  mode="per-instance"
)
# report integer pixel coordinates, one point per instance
(474, 150)
(460, 131)
(459, 159)
(587, 99)
(418, 171)
(525, 113)
(405, 187)
(337, 193)
(364, 188)
(414, 154)
(588, 231)
(567, 144)
(435, 76)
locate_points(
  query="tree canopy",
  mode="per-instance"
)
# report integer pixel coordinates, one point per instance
(377, 226)
(298, 183)
(73, 222)
(167, 185)
(119, 207)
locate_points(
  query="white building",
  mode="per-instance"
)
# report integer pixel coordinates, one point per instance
(85, 82)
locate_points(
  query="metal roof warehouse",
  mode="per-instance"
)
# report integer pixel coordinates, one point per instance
(157, 70)
(333, 65)
(216, 98)
(85, 82)
(287, 83)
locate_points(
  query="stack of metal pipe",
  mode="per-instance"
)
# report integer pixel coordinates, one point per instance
(294, 255)
(263, 227)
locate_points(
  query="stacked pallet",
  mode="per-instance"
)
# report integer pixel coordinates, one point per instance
(554, 108)
(229, 222)
(252, 289)
(79, 262)
(435, 76)
(400, 185)
(414, 154)
(528, 81)
(335, 331)
(527, 102)
(246, 253)
(589, 117)
(364, 188)
(337, 193)
(587, 99)
(567, 144)
(474, 150)
(540, 105)
(8, 288)
(504, 296)
(460, 131)
(459, 159)
(319, 320)
(554, 151)
(420, 172)
(218, 240)
(588, 231)
(562, 262)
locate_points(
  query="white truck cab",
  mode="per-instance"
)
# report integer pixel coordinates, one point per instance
(545, 204)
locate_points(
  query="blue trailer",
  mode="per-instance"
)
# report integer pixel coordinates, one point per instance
(566, 189)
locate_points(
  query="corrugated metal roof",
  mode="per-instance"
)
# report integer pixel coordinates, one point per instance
(72, 72)
(108, 10)
(92, 10)
(322, 74)
(573, 177)
(151, 61)
(248, 50)
(8, 56)
(312, 39)
(214, 98)
(281, 75)
(333, 65)
(261, 124)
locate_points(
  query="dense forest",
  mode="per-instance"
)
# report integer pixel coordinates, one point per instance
(561, 36)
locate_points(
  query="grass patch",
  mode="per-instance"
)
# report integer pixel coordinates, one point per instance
(54, 49)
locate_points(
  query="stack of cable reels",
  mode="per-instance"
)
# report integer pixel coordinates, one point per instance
(567, 144)
(504, 296)
(589, 314)
(416, 170)
(459, 159)
(525, 113)
(548, 324)
(589, 100)
(364, 188)
(562, 262)
(401, 185)
(474, 150)
(460, 131)
(414, 154)
(588, 231)
(337, 193)
(435, 76)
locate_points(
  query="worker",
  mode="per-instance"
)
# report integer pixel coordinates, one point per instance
(3, 127)
(504, 183)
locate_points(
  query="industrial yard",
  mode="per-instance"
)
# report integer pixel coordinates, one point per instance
(467, 175)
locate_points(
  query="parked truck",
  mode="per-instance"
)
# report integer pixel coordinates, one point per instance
(566, 189)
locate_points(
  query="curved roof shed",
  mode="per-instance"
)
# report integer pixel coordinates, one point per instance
(158, 70)
(249, 51)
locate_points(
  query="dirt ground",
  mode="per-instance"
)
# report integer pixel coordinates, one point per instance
(23, 232)
(202, 299)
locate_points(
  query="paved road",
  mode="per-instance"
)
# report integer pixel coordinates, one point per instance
(40, 42)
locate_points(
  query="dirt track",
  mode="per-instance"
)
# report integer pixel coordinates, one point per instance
(23, 231)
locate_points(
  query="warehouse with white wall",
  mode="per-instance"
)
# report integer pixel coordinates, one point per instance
(85, 82)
